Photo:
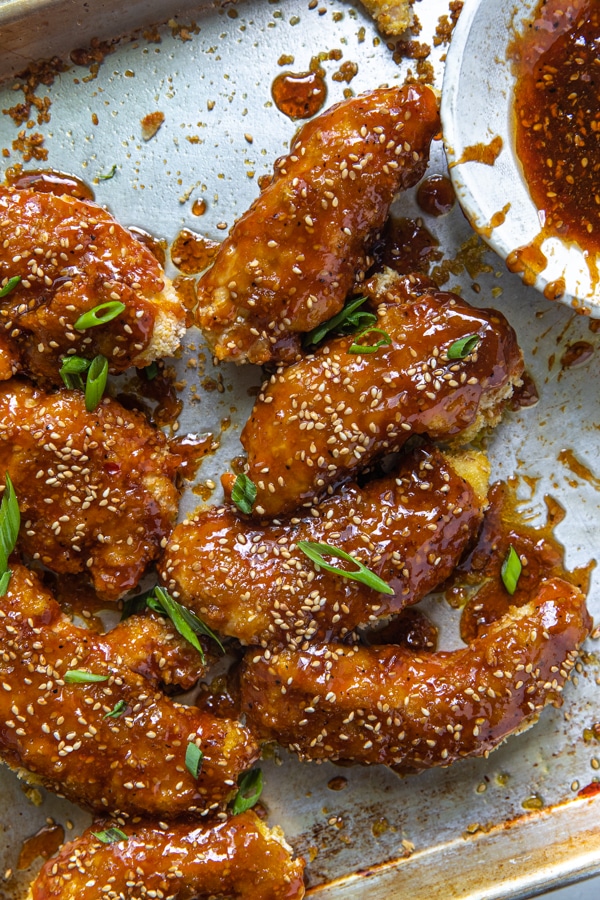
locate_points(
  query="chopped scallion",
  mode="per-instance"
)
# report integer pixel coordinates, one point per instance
(10, 285)
(100, 315)
(71, 371)
(78, 676)
(350, 319)
(10, 522)
(185, 621)
(250, 789)
(111, 835)
(95, 384)
(193, 759)
(244, 493)
(315, 552)
(385, 341)
(460, 349)
(109, 174)
(511, 570)
(117, 710)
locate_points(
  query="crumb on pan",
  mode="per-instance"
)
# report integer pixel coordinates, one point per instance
(392, 16)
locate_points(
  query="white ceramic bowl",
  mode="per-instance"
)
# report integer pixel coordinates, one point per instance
(477, 112)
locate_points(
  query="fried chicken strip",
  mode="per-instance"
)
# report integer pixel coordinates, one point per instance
(71, 256)
(291, 259)
(254, 583)
(61, 732)
(96, 490)
(331, 414)
(239, 858)
(386, 705)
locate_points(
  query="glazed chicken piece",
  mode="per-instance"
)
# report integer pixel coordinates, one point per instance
(386, 705)
(320, 420)
(114, 745)
(239, 858)
(96, 490)
(71, 256)
(254, 583)
(291, 259)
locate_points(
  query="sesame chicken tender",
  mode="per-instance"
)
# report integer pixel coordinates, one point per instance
(384, 704)
(96, 490)
(291, 259)
(329, 415)
(253, 582)
(71, 256)
(114, 745)
(239, 858)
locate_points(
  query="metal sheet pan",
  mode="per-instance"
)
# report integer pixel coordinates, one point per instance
(212, 81)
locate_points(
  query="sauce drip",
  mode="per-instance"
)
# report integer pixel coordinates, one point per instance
(43, 843)
(49, 181)
(406, 246)
(411, 628)
(300, 95)
(558, 117)
(477, 580)
(435, 195)
(576, 354)
(526, 394)
(156, 246)
(192, 253)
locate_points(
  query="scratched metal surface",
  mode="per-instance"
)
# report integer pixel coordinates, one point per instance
(467, 823)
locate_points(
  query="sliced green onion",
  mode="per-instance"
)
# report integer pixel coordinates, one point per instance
(95, 384)
(10, 522)
(193, 759)
(109, 174)
(72, 369)
(100, 315)
(185, 621)
(151, 371)
(314, 552)
(250, 789)
(111, 835)
(117, 710)
(511, 570)
(460, 349)
(135, 605)
(78, 676)
(244, 493)
(385, 341)
(10, 285)
(348, 320)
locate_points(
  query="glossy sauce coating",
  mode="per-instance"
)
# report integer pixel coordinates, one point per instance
(322, 419)
(558, 117)
(289, 262)
(60, 733)
(238, 858)
(389, 705)
(96, 490)
(254, 583)
(71, 256)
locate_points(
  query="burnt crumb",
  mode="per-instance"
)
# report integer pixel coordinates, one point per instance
(346, 72)
(181, 31)
(446, 24)
(410, 50)
(91, 57)
(41, 72)
(30, 146)
(152, 35)
(470, 258)
(151, 123)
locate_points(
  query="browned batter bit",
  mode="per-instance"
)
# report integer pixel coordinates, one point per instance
(290, 261)
(239, 858)
(413, 711)
(331, 414)
(70, 256)
(253, 582)
(96, 490)
(113, 744)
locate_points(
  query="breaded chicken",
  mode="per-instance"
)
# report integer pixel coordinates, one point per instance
(320, 420)
(96, 490)
(115, 744)
(290, 261)
(239, 858)
(387, 705)
(253, 582)
(392, 16)
(71, 256)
